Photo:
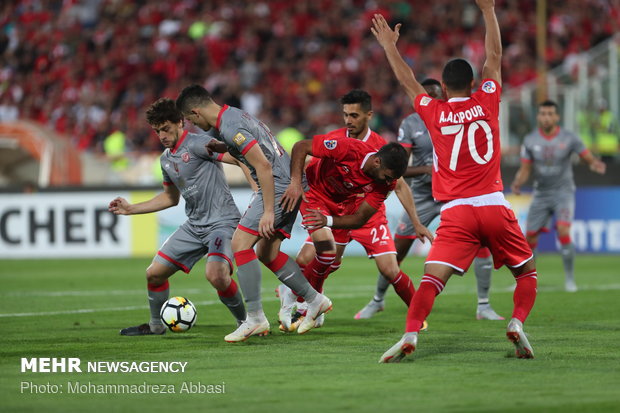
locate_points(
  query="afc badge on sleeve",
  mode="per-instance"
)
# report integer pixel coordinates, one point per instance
(488, 86)
(330, 144)
(239, 139)
(425, 101)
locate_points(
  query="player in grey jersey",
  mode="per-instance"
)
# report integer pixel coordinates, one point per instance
(189, 170)
(414, 136)
(265, 223)
(547, 151)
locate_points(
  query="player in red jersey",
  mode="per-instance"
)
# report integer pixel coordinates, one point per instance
(466, 176)
(374, 235)
(347, 168)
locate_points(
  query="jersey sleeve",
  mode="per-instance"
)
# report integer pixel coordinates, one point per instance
(166, 178)
(526, 152)
(325, 146)
(405, 134)
(489, 94)
(425, 106)
(577, 145)
(243, 140)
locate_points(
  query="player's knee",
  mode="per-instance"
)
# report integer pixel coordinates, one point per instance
(390, 272)
(219, 279)
(155, 277)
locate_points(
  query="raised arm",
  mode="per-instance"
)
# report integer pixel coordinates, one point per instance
(492, 68)
(387, 39)
(295, 190)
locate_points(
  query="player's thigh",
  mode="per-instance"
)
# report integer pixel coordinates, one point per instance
(183, 249)
(219, 245)
(283, 220)
(539, 213)
(564, 207)
(502, 235)
(387, 265)
(456, 240)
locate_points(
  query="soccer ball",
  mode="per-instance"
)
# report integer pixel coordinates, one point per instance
(178, 314)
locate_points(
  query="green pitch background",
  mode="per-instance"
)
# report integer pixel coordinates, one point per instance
(74, 308)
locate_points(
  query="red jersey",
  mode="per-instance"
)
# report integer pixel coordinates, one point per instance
(339, 176)
(465, 135)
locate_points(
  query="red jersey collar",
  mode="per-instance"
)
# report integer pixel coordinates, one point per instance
(365, 159)
(219, 117)
(179, 142)
(550, 136)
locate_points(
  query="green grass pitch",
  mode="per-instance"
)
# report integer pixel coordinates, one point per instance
(74, 308)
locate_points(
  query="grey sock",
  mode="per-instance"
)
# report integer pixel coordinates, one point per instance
(483, 268)
(249, 275)
(156, 300)
(235, 305)
(291, 276)
(382, 286)
(568, 259)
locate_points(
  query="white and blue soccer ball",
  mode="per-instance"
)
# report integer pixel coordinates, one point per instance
(178, 314)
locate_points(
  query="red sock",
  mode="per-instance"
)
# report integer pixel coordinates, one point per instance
(317, 270)
(230, 291)
(524, 295)
(404, 287)
(334, 267)
(422, 302)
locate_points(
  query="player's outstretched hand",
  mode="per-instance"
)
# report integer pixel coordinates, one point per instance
(380, 28)
(598, 166)
(313, 219)
(485, 4)
(423, 233)
(291, 197)
(265, 225)
(516, 189)
(216, 146)
(119, 206)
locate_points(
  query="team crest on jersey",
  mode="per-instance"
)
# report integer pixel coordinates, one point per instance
(367, 188)
(488, 86)
(331, 144)
(185, 157)
(425, 101)
(239, 139)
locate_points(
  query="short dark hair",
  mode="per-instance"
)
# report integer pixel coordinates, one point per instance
(549, 104)
(358, 96)
(457, 75)
(394, 157)
(193, 96)
(430, 82)
(161, 111)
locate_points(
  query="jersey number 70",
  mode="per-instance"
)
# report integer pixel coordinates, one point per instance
(459, 131)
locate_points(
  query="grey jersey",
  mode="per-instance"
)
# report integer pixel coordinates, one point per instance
(241, 131)
(413, 134)
(551, 159)
(200, 180)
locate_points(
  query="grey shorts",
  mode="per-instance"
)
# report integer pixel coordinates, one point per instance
(189, 243)
(547, 204)
(427, 210)
(283, 221)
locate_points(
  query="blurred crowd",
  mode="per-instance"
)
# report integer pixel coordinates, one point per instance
(90, 68)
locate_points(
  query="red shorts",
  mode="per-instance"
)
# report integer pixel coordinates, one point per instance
(465, 228)
(326, 207)
(375, 236)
